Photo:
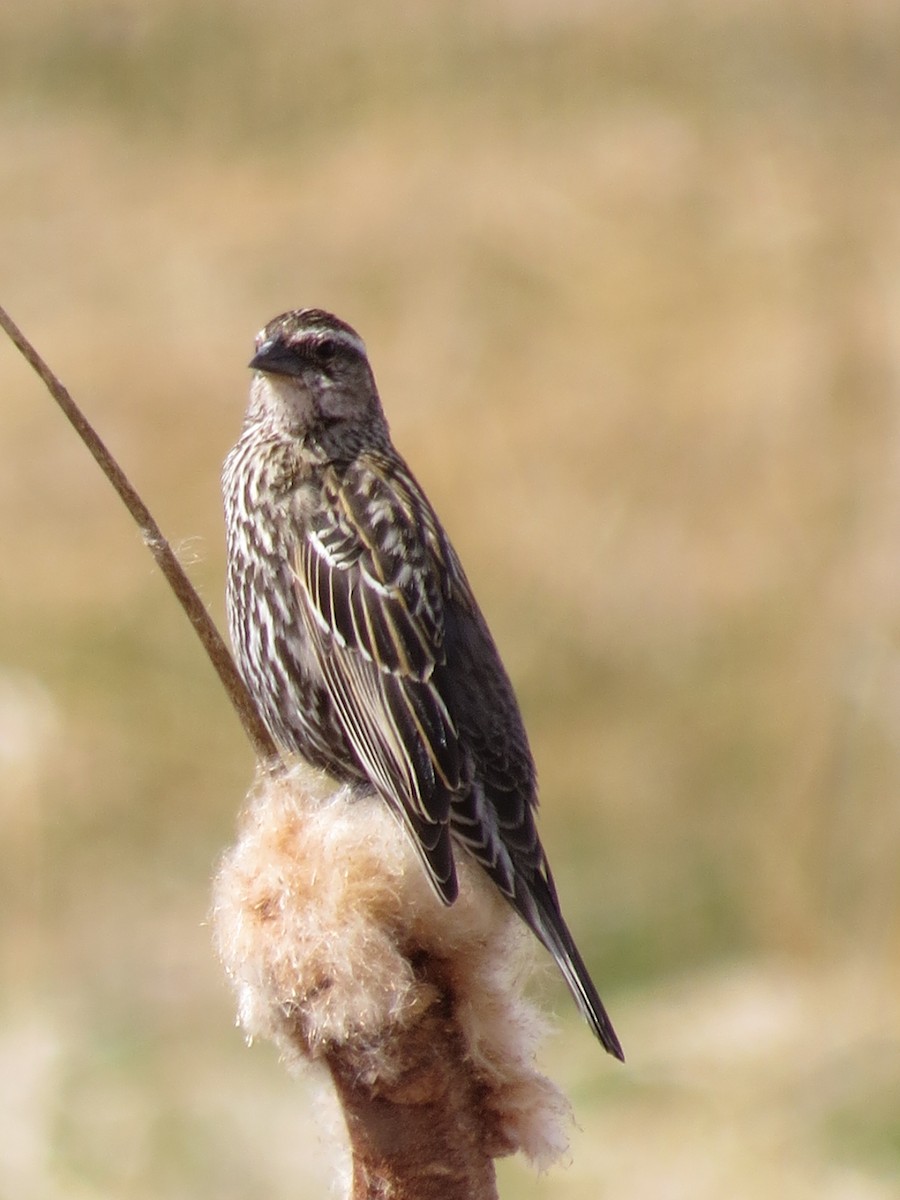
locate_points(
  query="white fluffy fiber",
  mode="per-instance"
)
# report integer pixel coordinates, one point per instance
(322, 914)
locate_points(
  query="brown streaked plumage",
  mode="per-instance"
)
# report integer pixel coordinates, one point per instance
(358, 634)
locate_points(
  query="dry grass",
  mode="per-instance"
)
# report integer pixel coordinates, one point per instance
(630, 276)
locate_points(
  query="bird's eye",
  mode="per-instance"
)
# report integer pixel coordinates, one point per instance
(325, 350)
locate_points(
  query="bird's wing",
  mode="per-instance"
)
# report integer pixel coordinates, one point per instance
(371, 569)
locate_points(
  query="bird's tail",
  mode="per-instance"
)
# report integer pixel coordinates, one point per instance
(540, 910)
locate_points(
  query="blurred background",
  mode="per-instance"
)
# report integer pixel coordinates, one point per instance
(629, 275)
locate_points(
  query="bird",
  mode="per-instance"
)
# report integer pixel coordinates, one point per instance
(358, 635)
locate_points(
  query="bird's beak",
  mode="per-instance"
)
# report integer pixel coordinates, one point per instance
(275, 358)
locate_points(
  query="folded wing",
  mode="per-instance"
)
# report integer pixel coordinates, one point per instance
(370, 569)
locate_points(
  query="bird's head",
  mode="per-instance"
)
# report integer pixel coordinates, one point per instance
(311, 375)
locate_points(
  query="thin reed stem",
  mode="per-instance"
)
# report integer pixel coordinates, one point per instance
(184, 590)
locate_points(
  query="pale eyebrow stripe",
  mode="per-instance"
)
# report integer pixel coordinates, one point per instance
(334, 333)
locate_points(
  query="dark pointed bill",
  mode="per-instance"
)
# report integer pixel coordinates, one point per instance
(275, 358)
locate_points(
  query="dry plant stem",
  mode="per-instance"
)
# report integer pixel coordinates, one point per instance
(420, 1136)
(341, 954)
(215, 647)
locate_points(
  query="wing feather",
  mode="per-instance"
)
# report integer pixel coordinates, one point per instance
(370, 573)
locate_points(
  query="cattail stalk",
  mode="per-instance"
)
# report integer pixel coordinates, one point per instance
(341, 954)
(165, 557)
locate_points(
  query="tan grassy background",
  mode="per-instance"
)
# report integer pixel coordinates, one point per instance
(630, 277)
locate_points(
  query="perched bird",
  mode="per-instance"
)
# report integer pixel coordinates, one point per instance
(359, 637)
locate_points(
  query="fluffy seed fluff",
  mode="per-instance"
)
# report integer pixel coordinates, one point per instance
(333, 938)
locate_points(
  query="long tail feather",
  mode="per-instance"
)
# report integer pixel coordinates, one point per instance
(541, 913)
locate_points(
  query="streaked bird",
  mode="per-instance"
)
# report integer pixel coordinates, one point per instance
(358, 635)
